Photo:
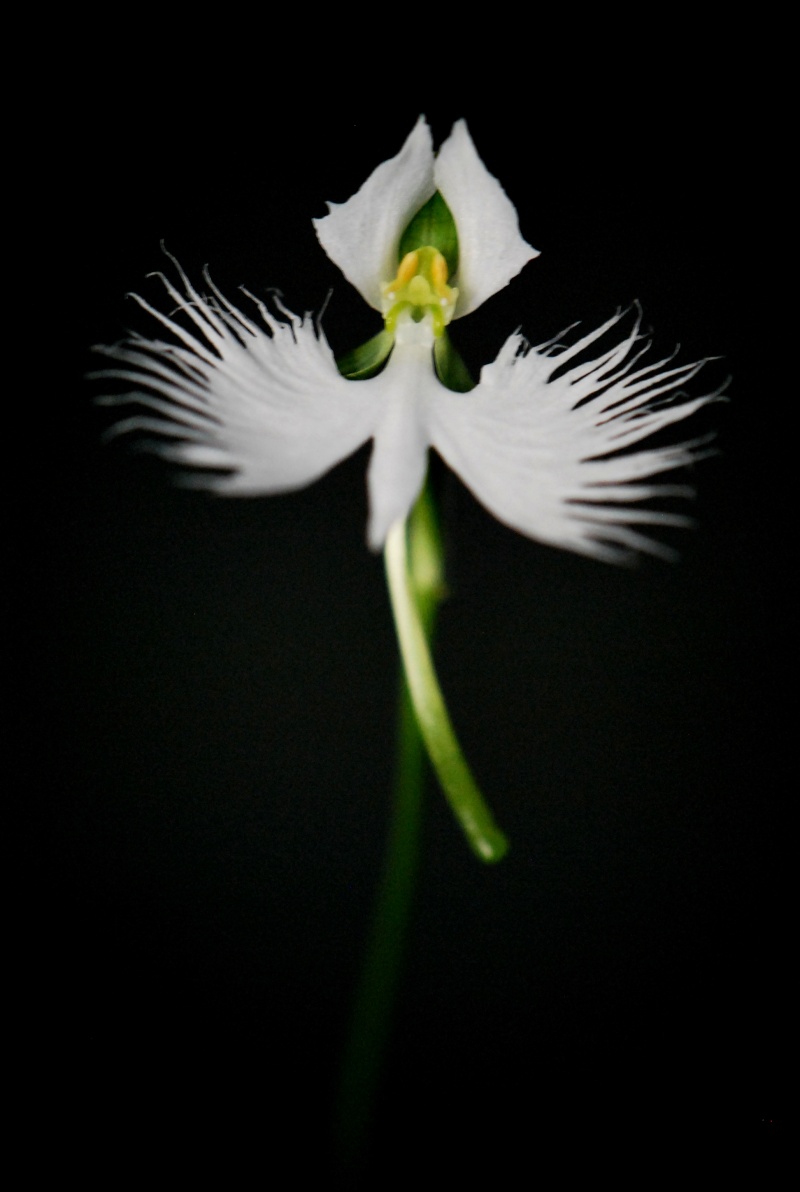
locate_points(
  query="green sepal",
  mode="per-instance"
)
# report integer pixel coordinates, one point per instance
(365, 360)
(450, 368)
(432, 225)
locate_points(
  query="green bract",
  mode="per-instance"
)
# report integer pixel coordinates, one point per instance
(434, 225)
(367, 359)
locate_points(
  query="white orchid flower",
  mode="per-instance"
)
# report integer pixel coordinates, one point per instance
(257, 404)
(261, 406)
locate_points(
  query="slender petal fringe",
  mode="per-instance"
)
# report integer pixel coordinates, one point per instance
(543, 441)
(543, 446)
(261, 404)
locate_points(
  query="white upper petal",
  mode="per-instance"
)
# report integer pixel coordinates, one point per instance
(491, 249)
(362, 235)
(263, 402)
(550, 467)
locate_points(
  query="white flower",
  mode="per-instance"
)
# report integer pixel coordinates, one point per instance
(256, 401)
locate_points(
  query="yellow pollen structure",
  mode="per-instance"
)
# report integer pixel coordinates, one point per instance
(420, 289)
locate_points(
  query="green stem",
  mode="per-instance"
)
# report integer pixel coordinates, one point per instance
(416, 584)
(446, 755)
(369, 1028)
(375, 996)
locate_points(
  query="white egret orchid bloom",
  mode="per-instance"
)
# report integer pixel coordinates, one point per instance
(257, 403)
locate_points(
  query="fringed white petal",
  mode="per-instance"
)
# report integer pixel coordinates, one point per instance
(491, 249)
(260, 402)
(538, 443)
(362, 235)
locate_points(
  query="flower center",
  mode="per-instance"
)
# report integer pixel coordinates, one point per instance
(420, 289)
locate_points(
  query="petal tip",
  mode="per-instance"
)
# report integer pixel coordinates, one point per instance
(361, 235)
(491, 248)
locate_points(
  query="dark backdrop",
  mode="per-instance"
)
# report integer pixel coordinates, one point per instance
(208, 706)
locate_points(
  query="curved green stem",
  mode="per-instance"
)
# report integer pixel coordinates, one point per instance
(410, 561)
(416, 585)
(374, 1000)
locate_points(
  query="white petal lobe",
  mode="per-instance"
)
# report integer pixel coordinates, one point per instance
(399, 459)
(539, 446)
(491, 249)
(361, 236)
(260, 401)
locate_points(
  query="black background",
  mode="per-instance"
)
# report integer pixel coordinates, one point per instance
(207, 715)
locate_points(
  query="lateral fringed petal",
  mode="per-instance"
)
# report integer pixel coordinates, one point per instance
(362, 235)
(491, 248)
(258, 406)
(538, 442)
